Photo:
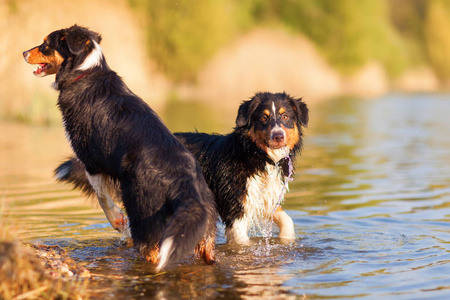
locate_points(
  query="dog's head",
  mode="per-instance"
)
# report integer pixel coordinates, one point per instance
(76, 44)
(274, 123)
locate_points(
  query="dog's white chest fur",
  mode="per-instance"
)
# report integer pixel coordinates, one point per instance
(264, 192)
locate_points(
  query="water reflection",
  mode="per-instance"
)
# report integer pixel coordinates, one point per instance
(367, 151)
(370, 202)
(249, 272)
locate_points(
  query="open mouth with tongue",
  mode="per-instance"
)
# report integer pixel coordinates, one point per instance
(45, 64)
(41, 68)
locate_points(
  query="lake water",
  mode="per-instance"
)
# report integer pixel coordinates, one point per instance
(370, 202)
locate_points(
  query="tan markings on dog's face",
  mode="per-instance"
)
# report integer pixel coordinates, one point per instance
(282, 110)
(48, 63)
(37, 57)
(292, 136)
(259, 138)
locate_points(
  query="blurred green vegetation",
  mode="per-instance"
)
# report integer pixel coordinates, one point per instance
(349, 33)
(183, 35)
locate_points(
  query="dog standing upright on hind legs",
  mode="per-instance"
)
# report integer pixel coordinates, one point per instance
(117, 137)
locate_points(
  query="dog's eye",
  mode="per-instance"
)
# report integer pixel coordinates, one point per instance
(43, 48)
(264, 118)
(284, 117)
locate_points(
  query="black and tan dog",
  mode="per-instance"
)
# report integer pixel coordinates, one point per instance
(118, 138)
(247, 170)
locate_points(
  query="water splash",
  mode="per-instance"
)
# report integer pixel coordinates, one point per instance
(263, 225)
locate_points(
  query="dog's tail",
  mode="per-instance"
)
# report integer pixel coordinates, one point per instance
(192, 224)
(72, 171)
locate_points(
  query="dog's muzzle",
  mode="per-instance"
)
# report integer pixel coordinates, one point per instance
(277, 138)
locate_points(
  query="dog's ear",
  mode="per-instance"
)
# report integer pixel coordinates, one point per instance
(95, 36)
(79, 38)
(301, 110)
(246, 110)
(242, 117)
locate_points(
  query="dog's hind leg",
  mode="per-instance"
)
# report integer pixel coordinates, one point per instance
(114, 215)
(119, 222)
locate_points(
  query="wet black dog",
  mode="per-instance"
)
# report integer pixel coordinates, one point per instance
(247, 170)
(117, 137)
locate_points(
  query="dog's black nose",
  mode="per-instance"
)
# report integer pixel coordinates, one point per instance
(25, 54)
(278, 136)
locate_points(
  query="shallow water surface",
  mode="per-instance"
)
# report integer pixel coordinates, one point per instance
(370, 203)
